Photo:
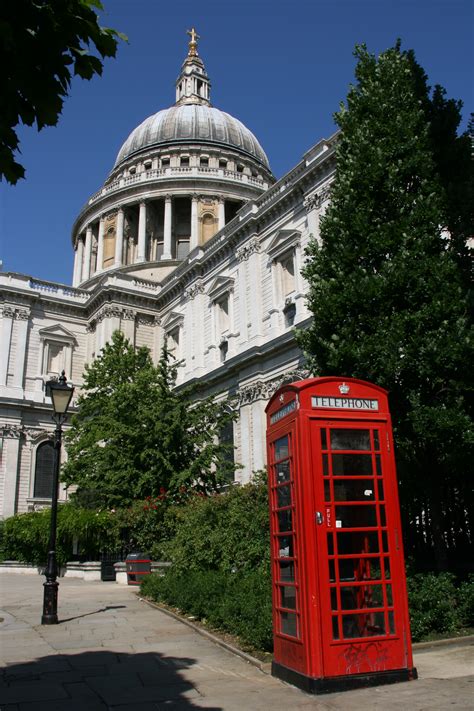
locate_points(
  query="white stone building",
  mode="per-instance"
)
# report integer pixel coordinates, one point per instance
(190, 239)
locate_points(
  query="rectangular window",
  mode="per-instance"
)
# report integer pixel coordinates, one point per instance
(172, 342)
(55, 360)
(287, 270)
(222, 315)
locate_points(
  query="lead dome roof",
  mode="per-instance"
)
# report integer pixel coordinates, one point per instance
(190, 123)
(192, 119)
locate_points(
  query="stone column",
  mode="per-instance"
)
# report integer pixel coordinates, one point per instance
(100, 247)
(194, 222)
(86, 270)
(221, 214)
(167, 228)
(258, 438)
(5, 342)
(310, 205)
(141, 233)
(12, 466)
(119, 239)
(78, 260)
(255, 278)
(22, 317)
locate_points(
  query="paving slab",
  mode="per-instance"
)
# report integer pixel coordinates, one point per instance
(113, 652)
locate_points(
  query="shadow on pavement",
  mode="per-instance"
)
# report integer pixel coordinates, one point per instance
(95, 612)
(101, 680)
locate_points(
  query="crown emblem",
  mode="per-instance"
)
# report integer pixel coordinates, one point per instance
(344, 388)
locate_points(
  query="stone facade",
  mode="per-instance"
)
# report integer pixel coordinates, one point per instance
(205, 254)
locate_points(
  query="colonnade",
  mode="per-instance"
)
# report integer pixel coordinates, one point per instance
(94, 237)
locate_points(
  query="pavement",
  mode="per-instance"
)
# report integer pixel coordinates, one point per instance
(112, 651)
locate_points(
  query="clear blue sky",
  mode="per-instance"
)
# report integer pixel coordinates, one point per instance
(280, 66)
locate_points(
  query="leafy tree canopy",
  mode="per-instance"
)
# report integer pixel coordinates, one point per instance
(135, 435)
(389, 284)
(43, 43)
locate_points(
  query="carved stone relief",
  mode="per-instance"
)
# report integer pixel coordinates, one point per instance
(248, 249)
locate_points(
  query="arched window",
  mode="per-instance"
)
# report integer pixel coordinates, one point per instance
(44, 471)
(209, 228)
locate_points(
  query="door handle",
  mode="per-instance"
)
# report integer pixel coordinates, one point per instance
(319, 518)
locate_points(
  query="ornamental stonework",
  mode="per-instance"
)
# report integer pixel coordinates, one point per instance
(8, 312)
(12, 431)
(314, 202)
(264, 389)
(252, 246)
(192, 291)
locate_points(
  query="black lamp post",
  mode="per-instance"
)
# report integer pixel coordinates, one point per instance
(61, 394)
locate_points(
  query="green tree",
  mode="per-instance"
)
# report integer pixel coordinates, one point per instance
(135, 435)
(388, 287)
(42, 44)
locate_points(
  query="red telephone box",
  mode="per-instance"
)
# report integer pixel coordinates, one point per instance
(340, 611)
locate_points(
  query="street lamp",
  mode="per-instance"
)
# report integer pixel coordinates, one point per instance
(61, 394)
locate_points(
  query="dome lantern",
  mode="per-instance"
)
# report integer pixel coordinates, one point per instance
(193, 85)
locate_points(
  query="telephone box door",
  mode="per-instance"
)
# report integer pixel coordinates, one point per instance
(358, 533)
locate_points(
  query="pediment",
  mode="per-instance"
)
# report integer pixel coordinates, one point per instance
(174, 318)
(57, 333)
(283, 240)
(221, 285)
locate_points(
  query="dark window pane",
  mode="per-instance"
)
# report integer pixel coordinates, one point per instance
(332, 574)
(389, 595)
(386, 565)
(391, 623)
(288, 624)
(384, 542)
(356, 516)
(370, 569)
(288, 597)
(281, 448)
(325, 465)
(44, 471)
(350, 439)
(285, 547)
(283, 496)
(351, 465)
(335, 628)
(285, 521)
(358, 597)
(347, 569)
(381, 491)
(287, 572)
(333, 599)
(324, 442)
(383, 519)
(282, 472)
(378, 465)
(376, 440)
(330, 544)
(354, 490)
(352, 543)
(363, 625)
(327, 491)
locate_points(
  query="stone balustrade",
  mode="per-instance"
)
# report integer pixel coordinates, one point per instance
(178, 171)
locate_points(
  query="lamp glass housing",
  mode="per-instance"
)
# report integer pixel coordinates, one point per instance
(61, 395)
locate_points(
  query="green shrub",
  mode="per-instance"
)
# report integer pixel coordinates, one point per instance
(433, 605)
(223, 532)
(465, 596)
(25, 537)
(239, 603)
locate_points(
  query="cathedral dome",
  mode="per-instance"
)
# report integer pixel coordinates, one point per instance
(191, 123)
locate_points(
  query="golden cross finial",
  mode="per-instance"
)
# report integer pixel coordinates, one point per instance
(193, 42)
